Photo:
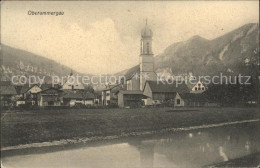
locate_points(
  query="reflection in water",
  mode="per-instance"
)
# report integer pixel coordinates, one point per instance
(222, 153)
(147, 154)
(184, 149)
(199, 148)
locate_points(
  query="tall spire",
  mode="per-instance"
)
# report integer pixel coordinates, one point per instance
(146, 31)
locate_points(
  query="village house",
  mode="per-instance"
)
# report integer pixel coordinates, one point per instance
(49, 97)
(98, 97)
(160, 92)
(196, 86)
(72, 83)
(89, 98)
(109, 94)
(75, 93)
(74, 97)
(29, 94)
(194, 100)
(130, 98)
(70, 98)
(7, 92)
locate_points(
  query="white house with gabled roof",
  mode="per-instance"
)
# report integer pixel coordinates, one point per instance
(73, 83)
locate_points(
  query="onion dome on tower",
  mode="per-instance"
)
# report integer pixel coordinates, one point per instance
(146, 31)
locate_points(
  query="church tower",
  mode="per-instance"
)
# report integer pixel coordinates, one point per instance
(146, 57)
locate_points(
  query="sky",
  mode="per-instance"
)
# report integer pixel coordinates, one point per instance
(104, 37)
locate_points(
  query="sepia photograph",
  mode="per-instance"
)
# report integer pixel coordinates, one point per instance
(130, 84)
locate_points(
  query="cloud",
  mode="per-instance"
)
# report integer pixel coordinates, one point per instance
(96, 48)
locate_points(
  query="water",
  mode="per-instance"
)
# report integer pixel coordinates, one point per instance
(187, 149)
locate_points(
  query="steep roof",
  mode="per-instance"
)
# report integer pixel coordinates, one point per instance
(18, 89)
(77, 94)
(191, 83)
(113, 88)
(72, 94)
(131, 72)
(25, 88)
(7, 90)
(110, 86)
(161, 87)
(131, 92)
(89, 95)
(46, 86)
(51, 98)
(51, 91)
(72, 83)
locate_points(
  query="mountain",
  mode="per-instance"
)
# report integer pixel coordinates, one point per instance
(233, 53)
(19, 62)
(14, 62)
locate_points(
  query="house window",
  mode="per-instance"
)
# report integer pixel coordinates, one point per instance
(107, 94)
(178, 101)
(196, 88)
(199, 88)
(199, 84)
(202, 88)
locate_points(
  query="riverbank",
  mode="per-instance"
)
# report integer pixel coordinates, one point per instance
(72, 126)
(252, 160)
(100, 138)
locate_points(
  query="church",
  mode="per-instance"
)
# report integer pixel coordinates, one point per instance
(142, 87)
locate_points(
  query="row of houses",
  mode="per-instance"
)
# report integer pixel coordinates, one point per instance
(154, 93)
(45, 95)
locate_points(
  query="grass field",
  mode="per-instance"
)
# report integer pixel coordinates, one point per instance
(49, 125)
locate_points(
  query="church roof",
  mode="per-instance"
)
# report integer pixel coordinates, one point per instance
(161, 87)
(131, 72)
